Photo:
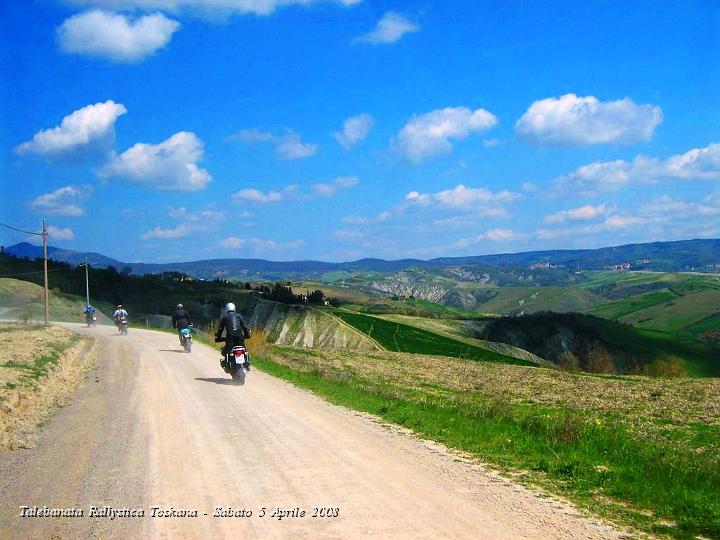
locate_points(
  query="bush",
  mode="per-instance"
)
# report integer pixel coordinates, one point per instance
(666, 366)
(257, 344)
(568, 361)
(599, 359)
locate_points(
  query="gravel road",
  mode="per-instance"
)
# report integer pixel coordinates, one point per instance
(153, 427)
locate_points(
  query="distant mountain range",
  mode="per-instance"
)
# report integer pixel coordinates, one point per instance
(684, 255)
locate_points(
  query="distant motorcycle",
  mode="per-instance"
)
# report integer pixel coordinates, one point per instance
(234, 362)
(186, 339)
(90, 319)
(122, 325)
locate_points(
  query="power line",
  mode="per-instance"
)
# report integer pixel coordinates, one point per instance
(19, 230)
(38, 272)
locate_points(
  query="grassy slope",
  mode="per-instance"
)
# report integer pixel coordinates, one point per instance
(24, 300)
(513, 300)
(394, 336)
(641, 450)
(459, 330)
(681, 303)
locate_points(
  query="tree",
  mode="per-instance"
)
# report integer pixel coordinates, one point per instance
(599, 359)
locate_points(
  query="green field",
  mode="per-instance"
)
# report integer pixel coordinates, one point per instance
(637, 450)
(395, 336)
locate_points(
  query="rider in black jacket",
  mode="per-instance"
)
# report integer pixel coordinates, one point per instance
(181, 319)
(236, 331)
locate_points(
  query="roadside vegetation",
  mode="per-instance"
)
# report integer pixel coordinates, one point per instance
(394, 336)
(39, 367)
(638, 450)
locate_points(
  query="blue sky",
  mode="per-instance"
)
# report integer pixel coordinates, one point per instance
(161, 130)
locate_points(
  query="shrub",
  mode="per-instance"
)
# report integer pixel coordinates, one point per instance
(257, 344)
(599, 359)
(666, 366)
(568, 361)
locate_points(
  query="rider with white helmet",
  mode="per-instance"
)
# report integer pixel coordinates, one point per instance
(236, 331)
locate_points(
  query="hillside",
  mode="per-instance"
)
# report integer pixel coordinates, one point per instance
(594, 344)
(21, 300)
(685, 255)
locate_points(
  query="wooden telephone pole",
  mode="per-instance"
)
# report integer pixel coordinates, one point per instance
(45, 270)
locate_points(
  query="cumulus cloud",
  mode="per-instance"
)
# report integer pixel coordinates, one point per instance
(89, 128)
(260, 244)
(606, 176)
(187, 222)
(58, 233)
(114, 36)
(573, 120)
(464, 198)
(288, 146)
(330, 189)
(610, 223)
(430, 133)
(295, 192)
(355, 129)
(503, 235)
(64, 201)
(208, 8)
(257, 196)
(389, 29)
(578, 214)
(171, 165)
(463, 204)
(667, 207)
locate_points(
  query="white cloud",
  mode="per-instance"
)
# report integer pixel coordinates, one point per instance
(581, 213)
(295, 192)
(430, 133)
(605, 176)
(463, 198)
(464, 206)
(331, 189)
(291, 147)
(187, 223)
(172, 233)
(64, 201)
(573, 120)
(57, 233)
(208, 8)
(257, 196)
(92, 126)
(288, 146)
(260, 244)
(355, 129)
(114, 36)
(503, 235)
(611, 223)
(667, 207)
(170, 165)
(389, 29)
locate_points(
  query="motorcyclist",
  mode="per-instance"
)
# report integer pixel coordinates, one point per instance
(180, 320)
(89, 312)
(119, 314)
(236, 331)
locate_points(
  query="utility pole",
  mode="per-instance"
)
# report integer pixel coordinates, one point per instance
(45, 270)
(87, 284)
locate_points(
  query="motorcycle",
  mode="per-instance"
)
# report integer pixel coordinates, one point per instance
(186, 339)
(122, 325)
(90, 320)
(234, 362)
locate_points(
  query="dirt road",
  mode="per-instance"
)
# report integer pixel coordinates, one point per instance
(154, 427)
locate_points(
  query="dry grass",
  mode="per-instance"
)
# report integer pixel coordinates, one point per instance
(639, 401)
(25, 398)
(258, 343)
